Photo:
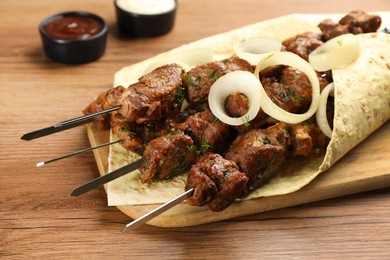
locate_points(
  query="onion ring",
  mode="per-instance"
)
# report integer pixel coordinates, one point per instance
(321, 117)
(292, 60)
(236, 81)
(335, 53)
(254, 49)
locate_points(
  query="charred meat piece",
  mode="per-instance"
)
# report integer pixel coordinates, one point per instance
(291, 90)
(235, 63)
(167, 156)
(254, 150)
(303, 44)
(236, 104)
(199, 80)
(217, 182)
(307, 140)
(105, 100)
(129, 138)
(135, 136)
(156, 95)
(356, 22)
(206, 130)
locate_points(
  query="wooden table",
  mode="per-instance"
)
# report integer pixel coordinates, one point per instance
(38, 219)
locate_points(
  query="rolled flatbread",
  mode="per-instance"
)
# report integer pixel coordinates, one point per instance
(362, 105)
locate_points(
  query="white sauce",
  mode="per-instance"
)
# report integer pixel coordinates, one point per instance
(147, 6)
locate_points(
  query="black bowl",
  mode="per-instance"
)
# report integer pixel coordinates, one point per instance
(74, 51)
(145, 25)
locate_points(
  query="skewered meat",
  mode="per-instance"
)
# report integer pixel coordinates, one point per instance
(289, 88)
(167, 156)
(307, 140)
(156, 95)
(207, 131)
(130, 139)
(292, 92)
(303, 44)
(258, 153)
(172, 154)
(355, 22)
(236, 104)
(255, 149)
(217, 182)
(135, 136)
(199, 80)
(105, 100)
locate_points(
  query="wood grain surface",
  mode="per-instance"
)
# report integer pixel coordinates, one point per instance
(38, 219)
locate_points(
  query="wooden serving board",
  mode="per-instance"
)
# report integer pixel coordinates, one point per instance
(366, 167)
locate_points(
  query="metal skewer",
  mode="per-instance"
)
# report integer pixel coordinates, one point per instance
(81, 120)
(182, 197)
(106, 178)
(154, 213)
(76, 153)
(386, 29)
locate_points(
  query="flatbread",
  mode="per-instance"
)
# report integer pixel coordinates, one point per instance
(362, 104)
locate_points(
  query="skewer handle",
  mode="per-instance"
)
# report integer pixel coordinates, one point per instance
(76, 153)
(81, 120)
(107, 178)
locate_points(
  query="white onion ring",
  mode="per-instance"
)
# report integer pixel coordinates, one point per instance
(292, 60)
(236, 81)
(335, 53)
(321, 117)
(254, 49)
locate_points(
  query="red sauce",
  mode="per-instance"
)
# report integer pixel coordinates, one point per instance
(73, 27)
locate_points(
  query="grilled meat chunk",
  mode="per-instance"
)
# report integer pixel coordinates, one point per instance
(258, 153)
(199, 80)
(105, 100)
(167, 156)
(355, 22)
(236, 104)
(307, 140)
(130, 140)
(155, 95)
(135, 136)
(206, 131)
(291, 92)
(289, 88)
(303, 44)
(217, 182)
(254, 150)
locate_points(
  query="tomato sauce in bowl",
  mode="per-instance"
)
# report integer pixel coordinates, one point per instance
(73, 27)
(74, 37)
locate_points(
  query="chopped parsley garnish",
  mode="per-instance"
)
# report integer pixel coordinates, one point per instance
(174, 132)
(179, 95)
(193, 82)
(213, 75)
(126, 130)
(245, 120)
(294, 95)
(204, 146)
